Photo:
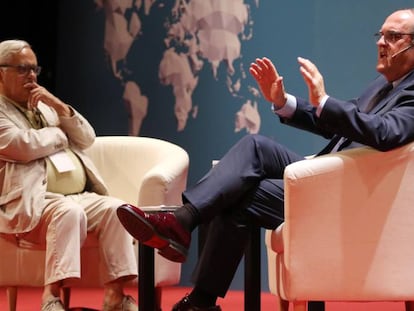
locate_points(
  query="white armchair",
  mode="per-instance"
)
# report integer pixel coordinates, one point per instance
(139, 170)
(348, 233)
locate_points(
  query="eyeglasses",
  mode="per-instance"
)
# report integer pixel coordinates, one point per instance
(24, 69)
(391, 36)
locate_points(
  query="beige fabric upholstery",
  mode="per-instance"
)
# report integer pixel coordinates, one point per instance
(349, 229)
(139, 170)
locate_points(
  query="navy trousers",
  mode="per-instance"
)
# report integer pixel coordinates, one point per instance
(244, 189)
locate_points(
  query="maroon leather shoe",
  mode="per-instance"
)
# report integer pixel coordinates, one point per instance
(159, 230)
(186, 305)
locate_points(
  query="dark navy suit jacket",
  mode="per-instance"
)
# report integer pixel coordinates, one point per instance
(388, 125)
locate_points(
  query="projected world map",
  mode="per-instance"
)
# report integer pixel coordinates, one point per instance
(200, 35)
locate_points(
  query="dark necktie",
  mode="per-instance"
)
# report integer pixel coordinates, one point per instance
(35, 118)
(338, 142)
(378, 97)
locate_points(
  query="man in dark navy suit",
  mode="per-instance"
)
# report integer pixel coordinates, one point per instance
(246, 187)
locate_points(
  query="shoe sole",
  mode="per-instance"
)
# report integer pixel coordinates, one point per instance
(146, 234)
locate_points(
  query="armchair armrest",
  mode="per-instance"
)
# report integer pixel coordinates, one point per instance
(165, 181)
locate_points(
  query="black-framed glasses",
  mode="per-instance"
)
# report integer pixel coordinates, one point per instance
(24, 69)
(391, 36)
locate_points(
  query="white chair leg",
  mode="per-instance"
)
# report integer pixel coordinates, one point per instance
(12, 297)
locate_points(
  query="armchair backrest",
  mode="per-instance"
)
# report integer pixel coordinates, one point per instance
(146, 179)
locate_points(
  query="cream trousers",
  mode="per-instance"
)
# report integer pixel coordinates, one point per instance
(63, 227)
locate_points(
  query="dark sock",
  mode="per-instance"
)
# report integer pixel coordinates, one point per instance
(201, 298)
(188, 216)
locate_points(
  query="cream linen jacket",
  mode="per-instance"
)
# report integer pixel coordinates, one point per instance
(23, 176)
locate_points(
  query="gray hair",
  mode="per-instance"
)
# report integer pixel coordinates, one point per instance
(10, 47)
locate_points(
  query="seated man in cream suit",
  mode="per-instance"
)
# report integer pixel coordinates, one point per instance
(51, 194)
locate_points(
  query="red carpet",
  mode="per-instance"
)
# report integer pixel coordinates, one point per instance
(29, 300)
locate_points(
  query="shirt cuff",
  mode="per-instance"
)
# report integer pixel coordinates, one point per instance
(288, 109)
(321, 105)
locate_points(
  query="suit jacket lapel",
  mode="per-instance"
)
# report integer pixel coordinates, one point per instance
(13, 113)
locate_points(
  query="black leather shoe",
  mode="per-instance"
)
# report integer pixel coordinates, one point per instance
(186, 305)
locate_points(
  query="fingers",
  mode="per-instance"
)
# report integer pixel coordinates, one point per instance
(305, 74)
(313, 80)
(267, 63)
(254, 71)
(308, 69)
(263, 68)
(37, 93)
(307, 66)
